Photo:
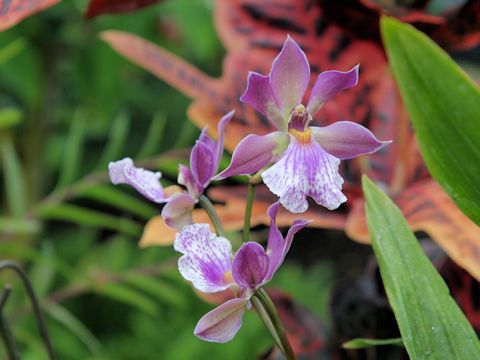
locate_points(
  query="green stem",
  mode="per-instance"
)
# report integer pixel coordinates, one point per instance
(212, 214)
(248, 211)
(276, 328)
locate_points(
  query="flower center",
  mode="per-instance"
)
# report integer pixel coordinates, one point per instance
(299, 118)
(302, 137)
(228, 277)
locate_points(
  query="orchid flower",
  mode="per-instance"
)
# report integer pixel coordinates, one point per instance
(207, 263)
(305, 158)
(204, 160)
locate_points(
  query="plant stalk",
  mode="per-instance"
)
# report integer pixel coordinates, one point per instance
(212, 214)
(248, 211)
(276, 327)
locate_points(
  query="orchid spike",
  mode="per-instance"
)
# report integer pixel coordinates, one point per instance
(305, 158)
(204, 160)
(207, 263)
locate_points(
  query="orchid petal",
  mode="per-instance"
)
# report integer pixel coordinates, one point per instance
(250, 265)
(206, 260)
(289, 76)
(328, 84)
(346, 139)
(222, 124)
(145, 182)
(260, 96)
(206, 139)
(253, 153)
(202, 163)
(186, 178)
(305, 170)
(177, 213)
(278, 247)
(222, 323)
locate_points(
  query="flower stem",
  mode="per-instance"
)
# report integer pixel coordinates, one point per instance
(212, 214)
(274, 325)
(248, 211)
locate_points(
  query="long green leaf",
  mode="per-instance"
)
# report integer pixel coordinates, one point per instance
(14, 178)
(87, 217)
(116, 143)
(431, 323)
(73, 151)
(128, 296)
(72, 323)
(444, 106)
(9, 117)
(361, 343)
(119, 199)
(154, 137)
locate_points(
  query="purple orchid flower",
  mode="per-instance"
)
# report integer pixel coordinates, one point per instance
(305, 158)
(207, 263)
(204, 160)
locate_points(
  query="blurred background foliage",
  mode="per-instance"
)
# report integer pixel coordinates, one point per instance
(69, 105)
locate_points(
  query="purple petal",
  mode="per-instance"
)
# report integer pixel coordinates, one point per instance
(346, 139)
(328, 84)
(224, 121)
(305, 170)
(186, 178)
(202, 163)
(222, 323)
(260, 96)
(250, 265)
(145, 182)
(253, 153)
(290, 76)
(277, 247)
(206, 139)
(206, 260)
(177, 213)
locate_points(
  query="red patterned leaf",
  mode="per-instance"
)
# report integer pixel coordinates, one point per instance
(101, 7)
(13, 11)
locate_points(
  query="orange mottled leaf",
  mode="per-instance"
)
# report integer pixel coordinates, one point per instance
(14, 11)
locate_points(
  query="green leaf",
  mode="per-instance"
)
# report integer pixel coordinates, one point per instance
(12, 50)
(444, 107)
(119, 199)
(158, 288)
(87, 217)
(431, 323)
(13, 176)
(73, 151)
(361, 343)
(9, 117)
(154, 137)
(18, 225)
(118, 136)
(69, 321)
(128, 296)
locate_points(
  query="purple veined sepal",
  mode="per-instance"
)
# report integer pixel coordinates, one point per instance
(204, 159)
(346, 139)
(253, 153)
(250, 265)
(206, 260)
(277, 246)
(177, 213)
(328, 84)
(144, 181)
(290, 76)
(305, 170)
(222, 323)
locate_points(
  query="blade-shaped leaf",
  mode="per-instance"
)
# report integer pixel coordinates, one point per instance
(73, 150)
(153, 139)
(118, 136)
(361, 343)
(88, 217)
(444, 106)
(9, 117)
(13, 177)
(431, 323)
